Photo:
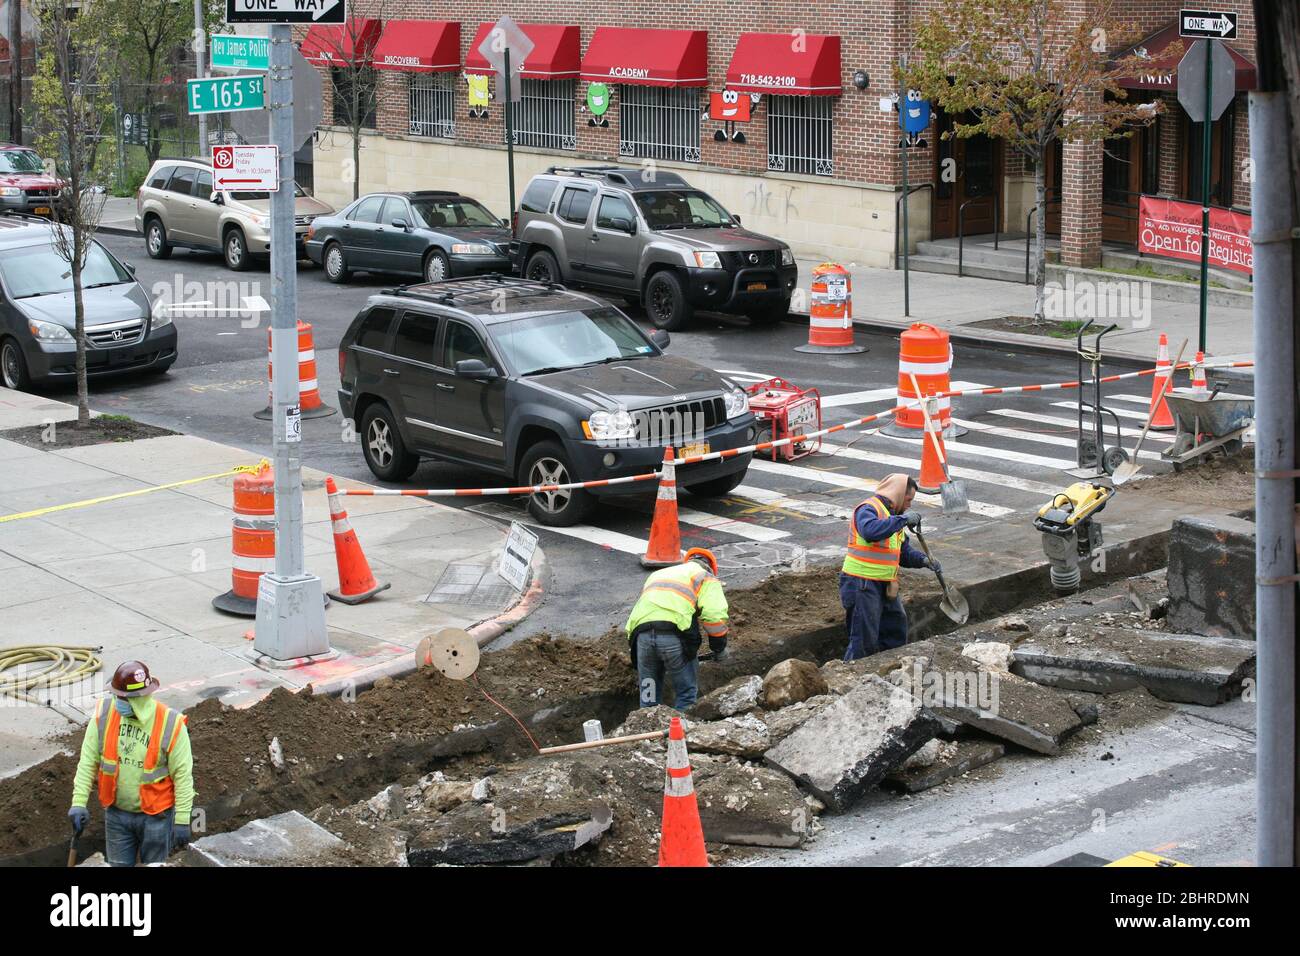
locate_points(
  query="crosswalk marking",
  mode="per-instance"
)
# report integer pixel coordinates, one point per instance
(1135, 399)
(959, 449)
(881, 394)
(1121, 412)
(774, 499)
(956, 471)
(1031, 436)
(741, 529)
(869, 487)
(746, 376)
(1073, 424)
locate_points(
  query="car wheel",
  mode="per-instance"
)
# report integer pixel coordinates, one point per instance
(436, 266)
(13, 366)
(717, 487)
(770, 314)
(235, 249)
(383, 447)
(665, 302)
(542, 267)
(336, 264)
(547, 464)
(155, 240)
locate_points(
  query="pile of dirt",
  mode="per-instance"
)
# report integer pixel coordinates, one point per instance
(98, 431)
(1216, 477)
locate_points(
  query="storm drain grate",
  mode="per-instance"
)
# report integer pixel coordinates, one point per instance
(466, 583)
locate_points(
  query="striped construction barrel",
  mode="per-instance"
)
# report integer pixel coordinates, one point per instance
(925, 352)
(309, 400)
(252, 542)
(830, 311)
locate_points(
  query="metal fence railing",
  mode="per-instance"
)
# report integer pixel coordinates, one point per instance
(659, 123)
(544, 115)
(799, 134)
(432, 100)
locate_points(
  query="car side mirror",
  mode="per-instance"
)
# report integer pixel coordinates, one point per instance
(399, 224)
(216, 199)
(505, 223)
(129, 267)
(625, 225)
(474, 368)
(735, 220)
(661, 339)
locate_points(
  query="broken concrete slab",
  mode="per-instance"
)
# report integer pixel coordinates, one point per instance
(789, 682)
(842, 676)
(643, 720)
(750, 805)
(1007, 706)
(781, 723)
(281, 840)
(994, 655)
(1186, 668)
(954, 759)
(733, 697)
(744, 736)
(1211, 576)
(852, 743)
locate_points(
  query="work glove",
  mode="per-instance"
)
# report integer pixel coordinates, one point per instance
(79, 816)
(180, 835)
(913, 519)
(718, 645)
(934, 565)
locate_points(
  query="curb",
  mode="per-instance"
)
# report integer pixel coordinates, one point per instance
(117, 230)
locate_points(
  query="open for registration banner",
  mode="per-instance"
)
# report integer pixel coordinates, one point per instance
(1170, 227)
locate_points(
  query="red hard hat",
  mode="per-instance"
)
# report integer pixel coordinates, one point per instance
(132, 679)
(706, 554)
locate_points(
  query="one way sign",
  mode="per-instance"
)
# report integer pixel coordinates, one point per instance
(286, 11)
(1203, 23)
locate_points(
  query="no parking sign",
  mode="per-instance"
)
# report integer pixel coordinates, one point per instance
(246, 168)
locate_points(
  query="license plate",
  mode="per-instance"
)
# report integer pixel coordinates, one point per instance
(42, 210)
(756, 287)
(698, 448)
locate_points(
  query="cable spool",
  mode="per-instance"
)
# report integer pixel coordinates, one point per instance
(452, 651)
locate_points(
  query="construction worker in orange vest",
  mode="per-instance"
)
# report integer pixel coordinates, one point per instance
(137, 753)
(877, 547)
(663, 630)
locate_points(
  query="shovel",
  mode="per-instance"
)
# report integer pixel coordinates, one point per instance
(72, 847)
(952, 492)
(1130, 468)
(953, 605)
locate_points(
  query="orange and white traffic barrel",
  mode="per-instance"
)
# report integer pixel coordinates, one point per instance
(830, 311)
(926, 352)
(309, 400)
(252, 541)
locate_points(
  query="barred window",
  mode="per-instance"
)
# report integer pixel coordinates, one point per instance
(799, 134)
(367, 83)
(658, 122)
(432, 99)
(544, 114)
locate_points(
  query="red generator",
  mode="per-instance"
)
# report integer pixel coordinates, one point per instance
(784, 410)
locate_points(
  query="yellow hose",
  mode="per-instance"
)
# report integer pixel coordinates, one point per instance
(67, 665)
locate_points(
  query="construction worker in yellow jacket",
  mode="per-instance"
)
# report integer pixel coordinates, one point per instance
(136, 752)
(877, 547)
(664, 628)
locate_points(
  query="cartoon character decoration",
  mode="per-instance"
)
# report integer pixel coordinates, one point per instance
(913, 119)
(597, 104)
(480, 94)
(730, 108)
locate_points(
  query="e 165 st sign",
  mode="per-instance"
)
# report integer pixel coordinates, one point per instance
(226, 94)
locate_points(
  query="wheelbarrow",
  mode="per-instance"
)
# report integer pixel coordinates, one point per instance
(1206, 421)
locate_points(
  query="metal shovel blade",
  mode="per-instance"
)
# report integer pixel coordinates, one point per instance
(954, 497)
(1124, 472)
(954, 606)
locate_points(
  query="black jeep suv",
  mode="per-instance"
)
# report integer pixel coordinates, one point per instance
(535, 382)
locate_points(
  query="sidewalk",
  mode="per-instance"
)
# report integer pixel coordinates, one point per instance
(118, 215)
(953, 303)
(138, 575)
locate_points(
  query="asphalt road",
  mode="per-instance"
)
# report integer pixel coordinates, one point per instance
(784, 514)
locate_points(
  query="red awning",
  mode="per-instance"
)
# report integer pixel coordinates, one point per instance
(1163, 72)
(776, 63)
(556, 51)
(420, 46)
(647, 57)
(351, 42)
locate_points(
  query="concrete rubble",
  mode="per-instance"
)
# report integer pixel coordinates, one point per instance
(1211, 576)
(286, 838)
(733, 697)
(789, 682)
(953, 758)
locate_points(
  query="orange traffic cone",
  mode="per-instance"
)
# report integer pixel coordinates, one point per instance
(1198, 374)
(356, 582)
(933, 459)
(681, 841)
(665, 547)
(1161, 419)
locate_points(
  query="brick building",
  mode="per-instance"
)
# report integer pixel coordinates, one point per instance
(810, 157)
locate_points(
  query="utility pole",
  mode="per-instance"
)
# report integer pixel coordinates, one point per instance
(1207, 123)
(16, 72)
(290, 604)
(902, 144)
(510, 132)
(200, 70)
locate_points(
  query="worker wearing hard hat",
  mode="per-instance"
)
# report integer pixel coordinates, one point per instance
(877, 547)
(137, 753)
(663, 630)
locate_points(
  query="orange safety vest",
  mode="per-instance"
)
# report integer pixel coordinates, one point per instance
(157, 792)
(876, 560)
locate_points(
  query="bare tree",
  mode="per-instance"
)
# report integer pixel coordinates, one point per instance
(75, 110)
(1032, 73)
(355, 81)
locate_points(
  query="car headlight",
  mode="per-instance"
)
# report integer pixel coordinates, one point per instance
(787, 257)
(48, 331)
(160, 318)
(607, 426)
(737, 402)
(708, 260)
(471, 249)
(10, 191)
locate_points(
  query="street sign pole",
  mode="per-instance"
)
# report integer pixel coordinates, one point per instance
(510, 133)
(902, 146)
(290, 604)
(200, 41)
(1206, 122)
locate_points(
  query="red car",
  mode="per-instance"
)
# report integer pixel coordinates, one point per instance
(25, 186)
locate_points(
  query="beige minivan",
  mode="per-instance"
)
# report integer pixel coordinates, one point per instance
(176, 206)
